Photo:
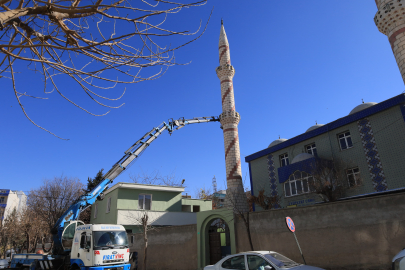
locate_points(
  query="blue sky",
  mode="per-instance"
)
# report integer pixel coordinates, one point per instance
(296, 63)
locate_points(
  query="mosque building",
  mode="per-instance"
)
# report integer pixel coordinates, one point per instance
(368, 143)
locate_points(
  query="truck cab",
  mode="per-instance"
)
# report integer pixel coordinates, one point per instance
(97, 246)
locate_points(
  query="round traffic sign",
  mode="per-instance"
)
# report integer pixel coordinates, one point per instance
(290, 224)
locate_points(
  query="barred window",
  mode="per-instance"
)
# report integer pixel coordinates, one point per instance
(284, 160)
(298, 183)
(311, 149)
(345, 140)
(145, 201)
(353, 176)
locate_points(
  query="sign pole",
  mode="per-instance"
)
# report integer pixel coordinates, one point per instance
(290, 224)
(299, 247)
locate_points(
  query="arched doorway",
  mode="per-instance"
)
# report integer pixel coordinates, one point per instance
(219, 241)
(219, 226)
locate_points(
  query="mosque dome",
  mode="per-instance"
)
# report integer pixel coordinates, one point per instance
(277, 142)
(362, 107)
(301, 157)
(314, 127)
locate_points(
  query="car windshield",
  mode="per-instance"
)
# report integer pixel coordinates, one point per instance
(113, 239)
(280, 260)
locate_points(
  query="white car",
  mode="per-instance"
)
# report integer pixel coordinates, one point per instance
(398, 262)
(3, 263)
(258, 260)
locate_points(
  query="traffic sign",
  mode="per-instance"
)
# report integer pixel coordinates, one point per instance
(291, 227)
(290, 224)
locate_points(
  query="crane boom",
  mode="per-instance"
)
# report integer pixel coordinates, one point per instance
(130, 155)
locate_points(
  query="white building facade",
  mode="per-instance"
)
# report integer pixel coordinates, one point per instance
(10, 200)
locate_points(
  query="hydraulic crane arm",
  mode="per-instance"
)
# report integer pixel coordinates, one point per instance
(130, 155)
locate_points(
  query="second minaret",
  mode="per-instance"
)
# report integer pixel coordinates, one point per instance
(235, 197)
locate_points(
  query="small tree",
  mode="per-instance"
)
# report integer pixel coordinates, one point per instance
(93, 182)
(330, 179)
(143, 220)
(85, 215)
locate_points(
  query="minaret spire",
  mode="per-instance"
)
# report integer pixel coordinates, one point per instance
(235, 196)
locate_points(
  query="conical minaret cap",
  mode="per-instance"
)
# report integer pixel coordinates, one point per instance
(224, 54)
(223, 40)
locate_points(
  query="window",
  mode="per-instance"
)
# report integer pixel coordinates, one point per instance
(311, 149)
(298, 183)
(284, 160)
(196, 208)
(256, 262)
(108, 205)
(2, 199)
(145, 201)
(83, 240)
(345, 140)
(237, 262)
(353, 176)
(132, 239)
(95, 210)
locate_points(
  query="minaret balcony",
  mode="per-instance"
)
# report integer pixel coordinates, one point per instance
(389, 16)
(225, 70)
(229, 117)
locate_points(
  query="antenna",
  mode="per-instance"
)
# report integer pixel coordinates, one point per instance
(214, 184)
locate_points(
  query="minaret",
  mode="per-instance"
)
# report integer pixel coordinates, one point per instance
(235, 196)
(390, 20)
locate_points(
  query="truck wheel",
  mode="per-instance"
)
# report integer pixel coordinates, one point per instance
(74, 267)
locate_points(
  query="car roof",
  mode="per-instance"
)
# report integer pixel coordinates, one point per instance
(262, 252)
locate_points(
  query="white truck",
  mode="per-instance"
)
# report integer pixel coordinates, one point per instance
(100, 246)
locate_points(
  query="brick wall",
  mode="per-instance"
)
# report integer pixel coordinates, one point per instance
(354, 234)
(172, 247)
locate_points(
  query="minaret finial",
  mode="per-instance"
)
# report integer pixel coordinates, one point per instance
(222, 21)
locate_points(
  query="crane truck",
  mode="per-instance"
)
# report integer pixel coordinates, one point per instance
(79, 246)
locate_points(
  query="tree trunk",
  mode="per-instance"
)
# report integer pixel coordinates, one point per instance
(248, 230)
(145, 238)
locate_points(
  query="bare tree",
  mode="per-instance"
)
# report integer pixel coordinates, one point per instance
(9, 233)
(264, 201)
(96, 44)
(52, 199)
(156, 178)
(239, 212)
(144, 220)
(330, 179)
(203, 193)
(34, 230)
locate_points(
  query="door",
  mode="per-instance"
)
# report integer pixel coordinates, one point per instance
(69, 233)
(85, 249)
(215, 247)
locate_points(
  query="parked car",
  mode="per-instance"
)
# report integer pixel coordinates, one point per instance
(258, 260)
(4, 263)
(9, 254)
(398, 262)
